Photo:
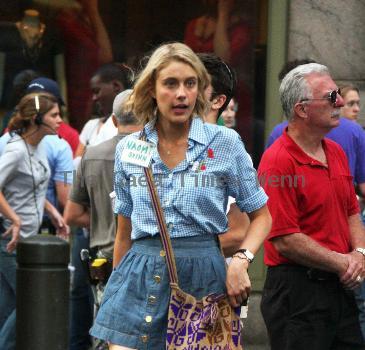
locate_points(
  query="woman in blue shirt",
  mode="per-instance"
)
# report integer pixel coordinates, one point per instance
(196, 167)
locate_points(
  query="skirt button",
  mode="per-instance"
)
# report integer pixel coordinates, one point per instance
(157, 278)
(144, 338)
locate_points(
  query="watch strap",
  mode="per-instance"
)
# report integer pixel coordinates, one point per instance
(249, 256)
(360, 250)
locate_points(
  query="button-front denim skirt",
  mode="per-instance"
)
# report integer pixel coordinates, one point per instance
(134, 309)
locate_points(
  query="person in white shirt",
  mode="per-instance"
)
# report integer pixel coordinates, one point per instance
(107, 82)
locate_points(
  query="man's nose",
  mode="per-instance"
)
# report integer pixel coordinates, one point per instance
(339, 101)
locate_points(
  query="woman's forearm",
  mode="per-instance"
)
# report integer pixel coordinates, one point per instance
(123, 239)
(7, 211)
(260, 225)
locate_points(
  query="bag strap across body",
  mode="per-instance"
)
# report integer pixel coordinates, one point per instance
(164, 234)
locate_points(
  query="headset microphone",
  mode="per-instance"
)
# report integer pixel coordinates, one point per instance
(50, 127)
(39, 117)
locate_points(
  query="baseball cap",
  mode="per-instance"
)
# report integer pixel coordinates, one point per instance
(46, 85)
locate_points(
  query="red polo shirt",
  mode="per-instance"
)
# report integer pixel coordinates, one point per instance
(306, 196)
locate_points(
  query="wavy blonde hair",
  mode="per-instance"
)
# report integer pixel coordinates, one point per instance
(141, 101)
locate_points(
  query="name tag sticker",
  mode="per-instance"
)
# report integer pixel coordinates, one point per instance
(138, 152)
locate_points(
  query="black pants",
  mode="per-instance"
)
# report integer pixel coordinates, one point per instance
(308, 309)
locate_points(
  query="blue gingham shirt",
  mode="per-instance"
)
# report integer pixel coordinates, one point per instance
(194, 194)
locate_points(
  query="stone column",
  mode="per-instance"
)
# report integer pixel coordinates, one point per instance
(331, 32)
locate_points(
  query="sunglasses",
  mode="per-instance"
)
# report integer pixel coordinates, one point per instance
(332, 97)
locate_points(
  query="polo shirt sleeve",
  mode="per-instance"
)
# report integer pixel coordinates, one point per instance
(9, 163)
(242, 182)
(353, 202)
(282, 203)
(79, 193)
(63, 163)
(123, 201)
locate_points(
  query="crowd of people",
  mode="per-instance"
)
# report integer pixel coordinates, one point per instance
(302, 205)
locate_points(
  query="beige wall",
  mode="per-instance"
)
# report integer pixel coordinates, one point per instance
(331, 32)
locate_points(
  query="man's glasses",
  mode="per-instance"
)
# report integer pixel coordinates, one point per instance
(332, 97)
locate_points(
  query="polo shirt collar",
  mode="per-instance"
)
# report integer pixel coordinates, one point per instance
(298, 154)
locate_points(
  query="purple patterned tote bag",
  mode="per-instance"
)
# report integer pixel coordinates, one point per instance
(206, 324)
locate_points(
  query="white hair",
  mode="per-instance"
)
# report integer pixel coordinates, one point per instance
(294, 87)
(123, 117)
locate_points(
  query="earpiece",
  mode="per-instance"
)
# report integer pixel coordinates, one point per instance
(38, 119)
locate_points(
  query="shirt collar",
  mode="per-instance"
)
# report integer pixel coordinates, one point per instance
(196, 132)
(297, 153)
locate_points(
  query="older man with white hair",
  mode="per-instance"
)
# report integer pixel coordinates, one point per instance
(315, 250)
(89, 204)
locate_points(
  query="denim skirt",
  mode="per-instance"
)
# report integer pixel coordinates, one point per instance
(134, 308)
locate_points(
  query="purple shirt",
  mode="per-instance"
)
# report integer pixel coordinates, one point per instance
(349, 135)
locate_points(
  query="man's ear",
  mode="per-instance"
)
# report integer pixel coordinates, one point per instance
(114, 119)
(117, 86)
(218, 101)
(300, 111)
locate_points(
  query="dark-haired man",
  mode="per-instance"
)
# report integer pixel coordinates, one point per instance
(107, 82)
(220, 92)
(222, 85)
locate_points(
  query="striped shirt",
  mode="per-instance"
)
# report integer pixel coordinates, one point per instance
(194, 194)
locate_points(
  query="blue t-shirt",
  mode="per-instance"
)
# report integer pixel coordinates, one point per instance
(59, 156)
(349, 135)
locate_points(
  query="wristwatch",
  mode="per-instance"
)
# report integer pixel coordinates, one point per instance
(250, 257)
(361, 251)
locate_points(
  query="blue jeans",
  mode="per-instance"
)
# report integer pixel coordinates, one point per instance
(81, 300)
(7, 297)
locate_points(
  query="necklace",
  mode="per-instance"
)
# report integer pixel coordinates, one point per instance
(169, 150)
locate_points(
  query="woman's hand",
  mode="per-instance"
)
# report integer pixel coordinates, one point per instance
(238, 282)
(62, 230)
(14, 231)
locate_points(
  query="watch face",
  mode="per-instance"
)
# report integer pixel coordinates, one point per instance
(361, 250)
(249, 254)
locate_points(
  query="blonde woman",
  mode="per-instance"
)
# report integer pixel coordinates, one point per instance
(169, 98)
